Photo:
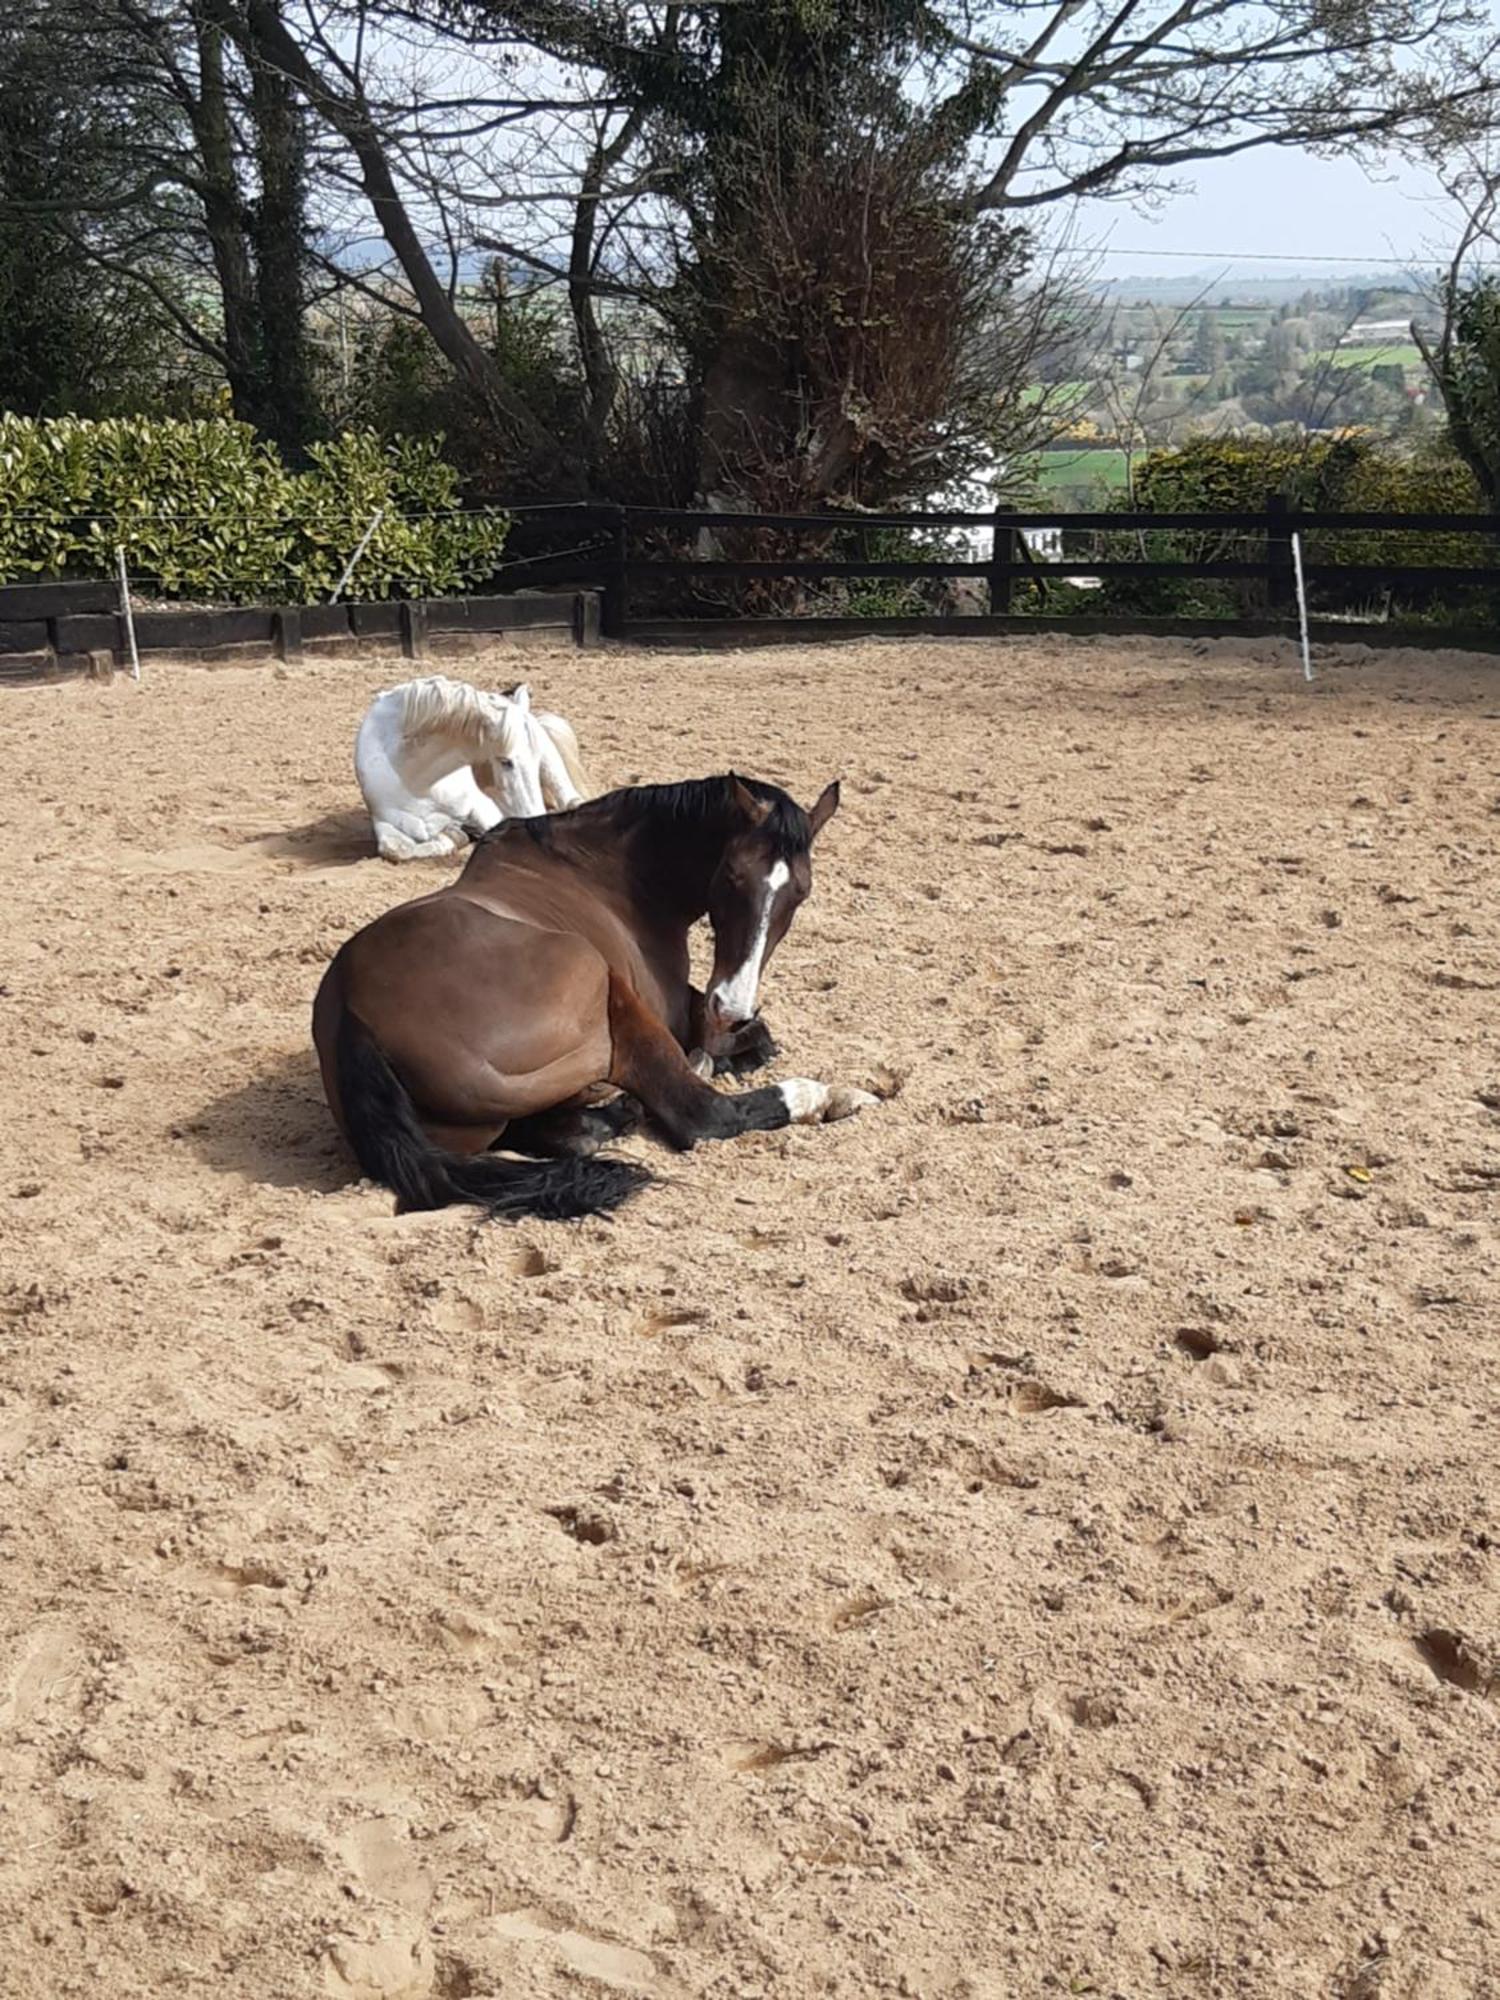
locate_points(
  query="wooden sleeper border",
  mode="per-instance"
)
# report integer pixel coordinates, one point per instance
(52, 632)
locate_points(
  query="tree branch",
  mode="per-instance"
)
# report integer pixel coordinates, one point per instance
(349, 116)
(133, 274)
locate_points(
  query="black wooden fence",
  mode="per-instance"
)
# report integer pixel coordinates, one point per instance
(619, 562)
(628, 553)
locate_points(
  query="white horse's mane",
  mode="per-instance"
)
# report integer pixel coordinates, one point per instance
(438, 706)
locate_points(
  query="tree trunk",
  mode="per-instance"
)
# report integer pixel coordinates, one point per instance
(279, 233)
(267, 38)
(224, 219)
(776, 89)
(600, 376)
(748, 425)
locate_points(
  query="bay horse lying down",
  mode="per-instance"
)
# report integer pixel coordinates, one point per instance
(556, 965)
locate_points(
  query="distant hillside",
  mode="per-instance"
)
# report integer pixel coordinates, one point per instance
(1243, 285)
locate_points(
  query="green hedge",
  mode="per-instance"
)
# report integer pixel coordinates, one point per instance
(1380, 482)
(1316, 475)
(207, 511)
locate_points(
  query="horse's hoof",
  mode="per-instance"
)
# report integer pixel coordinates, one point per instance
(701, 1063)
(843, 1102)
(809, 1103)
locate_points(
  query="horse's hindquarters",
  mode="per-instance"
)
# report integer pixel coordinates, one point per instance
(484, 1017)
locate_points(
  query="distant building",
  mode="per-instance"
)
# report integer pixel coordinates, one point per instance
(1370, 332)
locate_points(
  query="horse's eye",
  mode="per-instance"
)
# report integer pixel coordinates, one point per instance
(507, 763)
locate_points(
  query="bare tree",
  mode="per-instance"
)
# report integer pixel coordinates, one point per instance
(1126, 410)
(1105, 97)
(1463, 357)
(1030, 106)
(334, 90)
(642, 157)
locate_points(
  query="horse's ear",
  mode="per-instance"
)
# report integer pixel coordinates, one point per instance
(520, 694)
(824, 810)
(755, 810)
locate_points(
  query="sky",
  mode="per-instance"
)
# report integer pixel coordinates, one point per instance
(1277, 204)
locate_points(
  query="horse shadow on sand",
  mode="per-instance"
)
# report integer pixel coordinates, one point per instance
(275, 1130)
(337, 840)
(343, 840)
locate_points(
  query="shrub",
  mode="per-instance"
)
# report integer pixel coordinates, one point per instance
(206, 510)
(1381, 482)
(900, 597)
(1234, 475)
(1347, 474)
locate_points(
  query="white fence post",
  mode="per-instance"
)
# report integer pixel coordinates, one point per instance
(1307, 672)
(125, 611)
(353, 563)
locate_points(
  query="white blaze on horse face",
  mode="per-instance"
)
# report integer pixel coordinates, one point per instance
(735, 996)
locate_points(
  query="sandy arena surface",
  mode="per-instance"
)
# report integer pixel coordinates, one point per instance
(1041, 1537)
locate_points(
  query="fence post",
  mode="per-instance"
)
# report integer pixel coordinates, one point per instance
(586, 623)
(413, 617)
(1307, 672)
(1281, 585)
(286, 634)
(1002, 566)
(127, 616)
(614, 609)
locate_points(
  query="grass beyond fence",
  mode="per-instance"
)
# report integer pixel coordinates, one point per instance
(1100, 468)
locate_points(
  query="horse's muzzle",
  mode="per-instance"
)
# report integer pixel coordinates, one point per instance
(717, 1018)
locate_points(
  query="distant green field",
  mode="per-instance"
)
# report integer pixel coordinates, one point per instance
(1064, 395)
(1097, 465)
(1399, 354)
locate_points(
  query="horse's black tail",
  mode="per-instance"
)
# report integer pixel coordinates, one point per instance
(392, 1148)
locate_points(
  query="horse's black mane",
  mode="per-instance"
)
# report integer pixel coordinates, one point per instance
(693, 801)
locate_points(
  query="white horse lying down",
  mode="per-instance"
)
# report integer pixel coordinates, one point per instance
(431, 753)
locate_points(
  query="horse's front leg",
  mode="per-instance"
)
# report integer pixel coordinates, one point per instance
(649, 1064)
(737, 1051)
(747, 1048)
(393, 845)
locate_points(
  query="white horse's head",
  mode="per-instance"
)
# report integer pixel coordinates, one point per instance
(510, 748)
(555, 747)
